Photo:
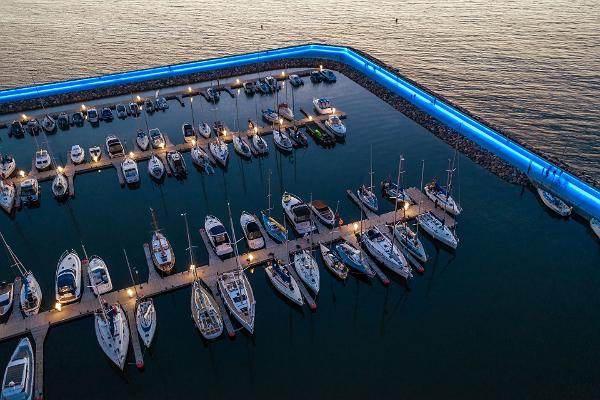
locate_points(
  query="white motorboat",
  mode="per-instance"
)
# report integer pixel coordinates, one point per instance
(201, 159)
(60, 186)
(142, 140)
(7, 195)
(410, 241)
(48, 124)
(77, 154)
(176, 164)
(134, 109)
(95, 153)
(19, 376)
(295, 80)
(99, 276)
(68, 278)
(323, 106)
(6, 297)
(204, 130)
(156, 168)
(308, 270)
(121, 111)
(442, 198)
(30, 191)
(219, 150)
(112, 332)
(335, 126)
(323, 212)
(162, 103)
(383, 250)
(259, 144)
(7, 166)
(157, 139)
(145, 319)
(212, 95)
(205, 312)
(297, 213)
(130, 171)
(241, 146)
(354, 258)
(77, 118)
(149, 105)
(188, 132)
(272, 82)
(252, 232)
(237, 294)
(63, 121)
(93, 116)
(106, 114)
(162, 253)
(328, 75)
(270, 115)
(554, 203)
(368, 197)
(282, 141)
(333, 262)
(280, 277)
(217, 235)
(114, 148)
(42, 160)
(16, 129)
(285, 111)
(437, 229)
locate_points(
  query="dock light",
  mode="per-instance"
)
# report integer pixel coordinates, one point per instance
(192, 267)
(333, 110)
(129, 292)
(250, 257)
(24, 117)
(280, 121)
(237, 81)
(190, 89)
(131, 154)
(21, 173)
(321, 67)
(282, 73)
(58, 306)
(193, 142)
(224, 132)
(310, 117)
(355, 226)
(406, 206)
(255, 130)
(83, 107)
(138, 98)
(60, 170)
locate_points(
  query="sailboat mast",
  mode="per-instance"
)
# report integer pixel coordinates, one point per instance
(130, 273)
(16, 261)
(235, 248)
(269, 195)
(420, 201)
(190, 247)
(396, 204)
(371, 169)
(154, 222)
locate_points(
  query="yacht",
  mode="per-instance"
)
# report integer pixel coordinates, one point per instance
(410, 241)
(323, 212)
(7, 195)
(333, 262)
(201, 159)
(60, 186)
(162, 255)
(297, 213)
(162, 104)
(554, 203)
(295, 80)
(77, 154)
(149, 105)
(437, 229)
(237, 294)
(219, 150)
(328, 75)
(335, 126)
(114, 148)
(121, 111)
(442, 198)
(282, 141)
(262, 87)
(307, 269)
(205, 312)
(176, 164)
(93, 116)
(19, 376)
(134, 109)
(6, 297)
(142, 140)
(48, 124)
(99, 276)
(189, 135)
(77, 118)
(270, 115)
(7, 166)
(368, 198)
(42, 160)
(212, 95)
(252, 232)
(383, 250)
(285, 111)
(63, 121)
(156, 138)
(30, 191)
(95, 153)
(156, 168)
(354, 258)
(272, 82)
(33, 126)
(595, 225)
(106, 114)
(249, 88)
(68, 278)
(315, 76)
(391, 191)
(259, 144)
(217, 235)
(145, 319)
(280, 277)
(16, 129)
(112, 332)
(204, 130)
(323, 106)
(241, 146)
(130, 171)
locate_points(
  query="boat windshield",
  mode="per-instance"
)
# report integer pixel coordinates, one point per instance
(301, 213)
(15, 375)
(65, 283)
(253, 231)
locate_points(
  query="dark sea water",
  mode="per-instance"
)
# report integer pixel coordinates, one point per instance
(512, 314)
(530, 67)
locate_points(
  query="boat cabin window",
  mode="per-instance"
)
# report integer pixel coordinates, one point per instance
(301, 213)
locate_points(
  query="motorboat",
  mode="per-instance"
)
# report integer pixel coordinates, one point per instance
(391, 191)
(16, 129)
(315, 76)
(295, 80)
(95, 153)
(162, 104)
(204, 130)
(134, 109)
(157, 138)
(298, 213)
(142, 140)
(205, 312)
(212, 95)
(106, 114)
(442, 198)
(77, 154)
(262, 87)
(270, 115)
(93, 116)
(297, 136)
(308, 270)
(241, 146)
(595, 225)
(410, 241)
(219, 128)
(33, 126)
(7, 166)
(99, 276)
(368, 198)
(6, 297)
(149, 105)
(77, 118)
(19, 376)
(282, 141)
(218, 236)
(188, 132)
(145, 319)
(162, 253)
(249, 88)
(333, 262)
(238, 296)
(219, 150)
(114, 148)
(383, 250)
(48, 124)
(335, 126)
(7, 195)
(554, 203)
(42, 160)
(68, 278)
(30, 191)
(259, 144)
(130, 171)
(323, 212)
(285, 111)
(121, 111)
(321, 136)
(156, 168)
(63, 121)
(354, 258)
(272, 82)
(112, 332)
(328, 75)
(201, 159)
(323, 106)
(60, 186)
(176, 164)
(274, 228)
(280, 277)
(437, 229)
(252, 232)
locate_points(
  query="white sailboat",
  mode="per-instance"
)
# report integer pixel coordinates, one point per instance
(112, 332)
(201, 159)
(7, 166)
(383, 250)
(219, 150)
(156, 168)
(595, 225)
(241, 147)
(60, 186)
(68, 285)
(282, 141)
(7, 195)
(554, 203)
(204, 130)
(442, 196)
(162, 253)
(410, 241)
(145, 319)
(273, 228)
(6, 297)
(19, 375)
(366, 194)
(333, 262)
(130, 171)
(285, 283)
(259, 144)
(308, 269)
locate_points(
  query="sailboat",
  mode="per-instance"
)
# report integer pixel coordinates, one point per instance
(554, 203)
(241, 146)
(219, 150)
(112, 332)
(395, 190)
(306, 266)
(156, 168)
(274, 229)
(60, 186)
(595, 225)
(333, 262)
(7, 165)
(7, 195)
(145, 319)
(6, 297)
(200, 158)
(280, 277)
(163, 256)
(354, 258)
(383, 250)
(410, 241)
(236, 291)
(366, 194)
(19, 376)
(442, 196)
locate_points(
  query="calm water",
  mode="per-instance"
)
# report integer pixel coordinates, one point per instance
(509, 315)
(531, 67)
